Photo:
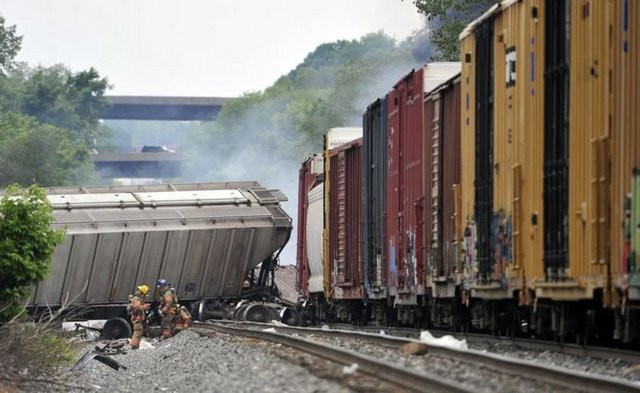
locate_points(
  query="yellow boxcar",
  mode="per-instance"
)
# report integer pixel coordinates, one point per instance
(502, 102)
(550, 142)
(602, 134)
(575, 256)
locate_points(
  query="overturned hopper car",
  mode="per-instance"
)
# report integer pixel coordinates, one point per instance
(203, 238)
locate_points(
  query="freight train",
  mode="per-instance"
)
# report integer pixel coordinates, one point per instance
(216, 243)
(499, 194)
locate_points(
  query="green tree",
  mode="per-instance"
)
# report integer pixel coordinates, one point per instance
(11, 89)
(74, 101)
(27, 243)
(35, 153)
(10, 44)
(447, 20)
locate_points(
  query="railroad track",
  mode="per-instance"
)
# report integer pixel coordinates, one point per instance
(409, 379)
(442, 369)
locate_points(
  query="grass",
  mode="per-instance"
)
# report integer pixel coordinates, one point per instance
(33, 356)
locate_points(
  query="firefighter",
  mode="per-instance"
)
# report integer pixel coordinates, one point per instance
(168, 307)
(182, 321)
(137, 310)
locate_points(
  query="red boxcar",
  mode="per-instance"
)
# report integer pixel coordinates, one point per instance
(442, 176)
(406, 188)
(345, 222)
(442, 200)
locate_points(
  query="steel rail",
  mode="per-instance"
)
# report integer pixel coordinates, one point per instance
(573, 349)
(568, 348)
(420, 382)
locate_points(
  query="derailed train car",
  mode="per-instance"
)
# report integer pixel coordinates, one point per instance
(204, 238)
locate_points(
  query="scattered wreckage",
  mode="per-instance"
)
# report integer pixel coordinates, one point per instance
(101, 354)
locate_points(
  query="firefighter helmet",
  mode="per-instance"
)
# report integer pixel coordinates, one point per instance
(143, 289)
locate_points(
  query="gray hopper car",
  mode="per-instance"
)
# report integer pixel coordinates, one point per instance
(203, 238)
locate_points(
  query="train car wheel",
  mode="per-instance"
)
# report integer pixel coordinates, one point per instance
(257, 313)
(198, 311)
(116, 328)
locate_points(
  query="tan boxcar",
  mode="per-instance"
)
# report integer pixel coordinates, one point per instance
(602, 134)
(574, 272)
(550, 156)
(501, 144)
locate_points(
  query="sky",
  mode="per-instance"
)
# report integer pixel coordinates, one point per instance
(194, 47)
(210, 48)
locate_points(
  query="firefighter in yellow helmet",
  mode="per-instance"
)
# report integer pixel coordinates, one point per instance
(137, 310)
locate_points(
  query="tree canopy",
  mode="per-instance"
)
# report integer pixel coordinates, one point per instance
(10, 44)
(62, 98)
(447, 20)
(37, 153)
(49, 119)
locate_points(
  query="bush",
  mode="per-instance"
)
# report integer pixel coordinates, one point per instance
(27, 243)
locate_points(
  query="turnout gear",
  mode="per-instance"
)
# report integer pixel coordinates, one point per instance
(168, 307)
(137, 310)
(182, 320)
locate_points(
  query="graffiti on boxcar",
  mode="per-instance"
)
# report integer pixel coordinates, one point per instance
(410, 262)
(630, 281)
(635, 209)
(378, 268)
(627, 251)
(501, 230)
(468, 250)
(393, 262)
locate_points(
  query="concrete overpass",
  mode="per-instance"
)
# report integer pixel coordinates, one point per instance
(138, 165)
(152, 165)
(163, 108)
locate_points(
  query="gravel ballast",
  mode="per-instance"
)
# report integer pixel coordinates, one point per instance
(189, 362)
